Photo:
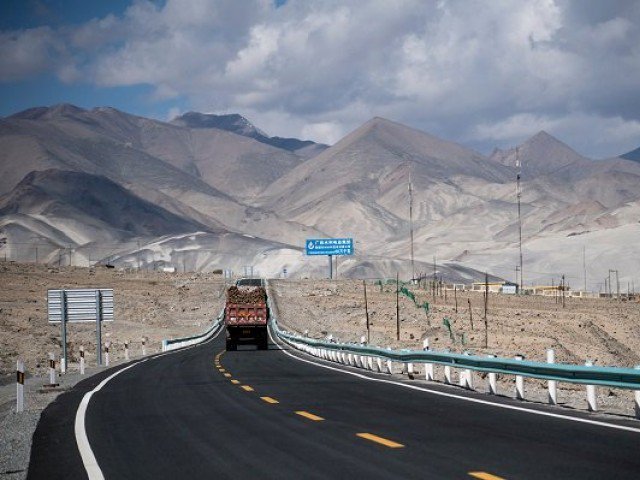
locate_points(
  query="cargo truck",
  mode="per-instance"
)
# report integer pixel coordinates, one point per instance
(246, 314)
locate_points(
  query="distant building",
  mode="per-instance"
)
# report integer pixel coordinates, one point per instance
(495, 287)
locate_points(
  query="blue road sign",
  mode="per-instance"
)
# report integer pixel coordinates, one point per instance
(329, 246)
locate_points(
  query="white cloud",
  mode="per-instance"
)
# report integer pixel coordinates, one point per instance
(469, 71)
(28, 52)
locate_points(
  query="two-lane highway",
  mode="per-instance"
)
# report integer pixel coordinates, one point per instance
(206, 413)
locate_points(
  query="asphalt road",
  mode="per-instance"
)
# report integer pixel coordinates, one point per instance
(201, 413)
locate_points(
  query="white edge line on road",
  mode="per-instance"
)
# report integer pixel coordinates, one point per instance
(82, 440)
(461, 397)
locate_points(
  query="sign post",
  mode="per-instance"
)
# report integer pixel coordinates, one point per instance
(99, 328)
(63, 322)
(329, 247)
(80, 305)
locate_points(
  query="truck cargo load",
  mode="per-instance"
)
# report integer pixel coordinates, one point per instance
(246, 314)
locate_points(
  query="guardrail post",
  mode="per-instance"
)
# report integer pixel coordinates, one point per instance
(519, 382)
(370, 362)
(390, 366)
(468, 377)
(144, 346)
(428, 371)
(52, 369)
(379, 362)
(428, 367)
(636, 395)
(493, 380)
(463, 378)
(106, 353)
(126, 350)
(552, 384)
(447, 374)
(81, 360)
(592, 399)
(410, 369)
(19, 386)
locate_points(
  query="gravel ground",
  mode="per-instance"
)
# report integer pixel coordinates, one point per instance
(18, 428)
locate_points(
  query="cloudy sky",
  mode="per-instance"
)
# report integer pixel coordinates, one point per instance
(482, 73)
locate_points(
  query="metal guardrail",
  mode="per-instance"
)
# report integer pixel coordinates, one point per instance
(175, 343)
(616, 377)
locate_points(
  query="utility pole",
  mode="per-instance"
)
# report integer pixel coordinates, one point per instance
(617, 284)
(413, 268)
(562, 291)
(584, 266)
(366, 312)
(397, 306)
(486, 305)
(455, 295)
(518, 195)
(434, 278)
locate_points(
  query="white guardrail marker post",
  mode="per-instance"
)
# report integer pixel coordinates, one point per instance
(126, 350)
(468, 377)
(519, 382)
(493, 380)
(447, 374)
(52, 369)
(81, 360)
(428, 367)
(106, 353)
(592, 399)
(19, 386)
(636, 395)
(552, 384)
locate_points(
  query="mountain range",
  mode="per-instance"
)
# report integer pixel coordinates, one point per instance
(209, 191)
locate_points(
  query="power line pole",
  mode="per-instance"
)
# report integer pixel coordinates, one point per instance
(366, 312)
(584, 266)
(486, 305)
(434, 278)
(397, 306)
(518, 195)
(413, 268)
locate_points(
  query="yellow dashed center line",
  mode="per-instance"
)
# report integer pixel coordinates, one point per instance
(222, 370)
(310, 416)
(235, 382)
(228, 375)
(485, 476)
(380, 440)
(269, 400)
(247, 388)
